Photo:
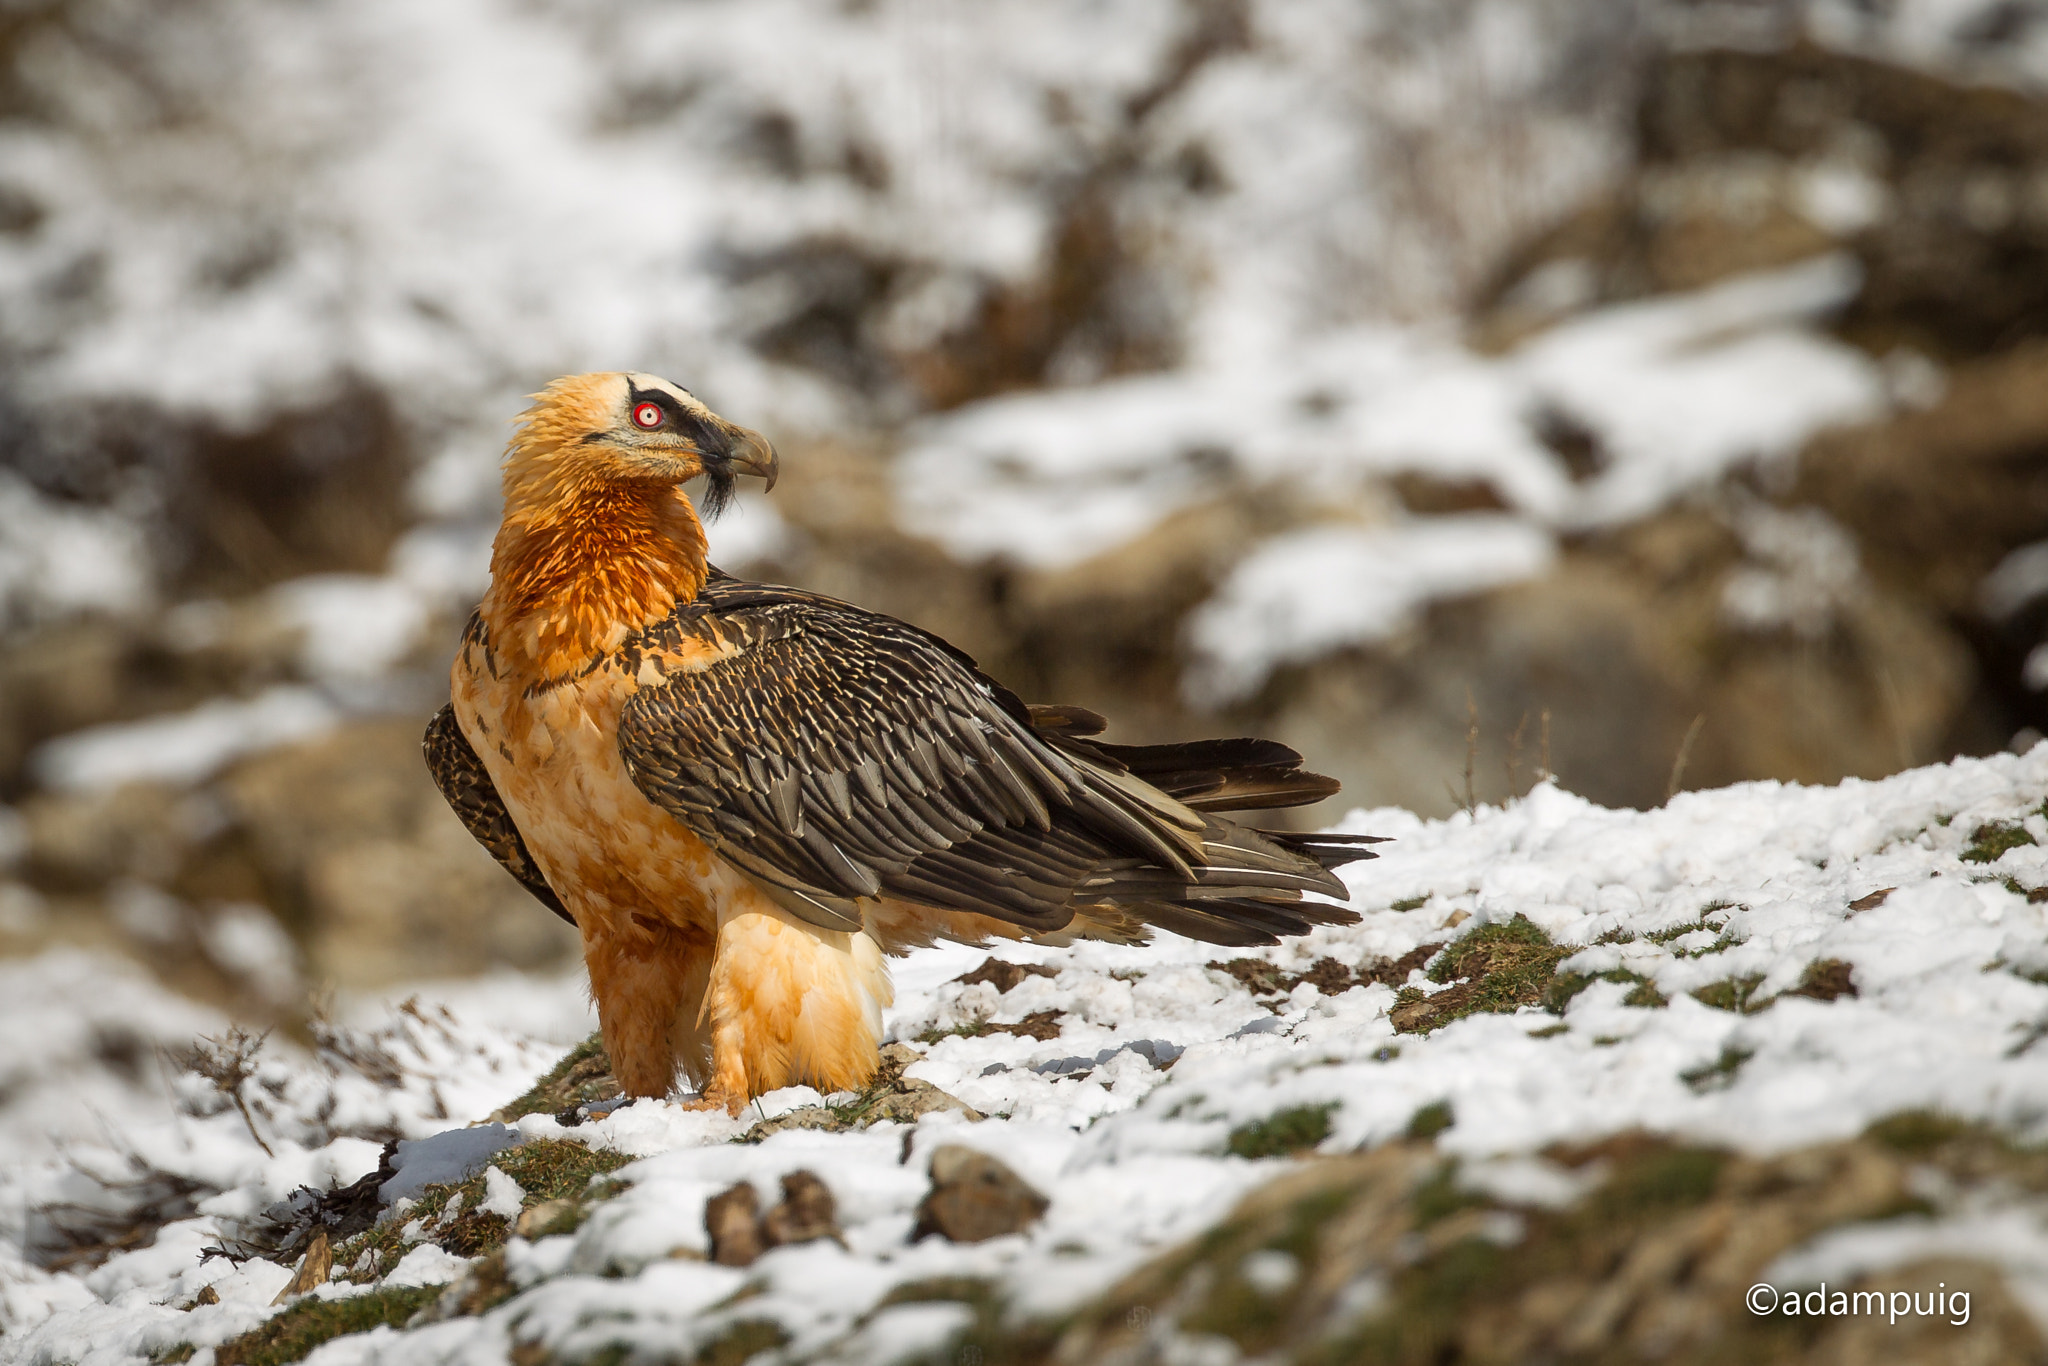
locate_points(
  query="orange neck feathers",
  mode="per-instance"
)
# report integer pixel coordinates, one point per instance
(582, 559)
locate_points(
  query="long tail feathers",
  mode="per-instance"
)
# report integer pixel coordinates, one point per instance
(1243, 774)
(1331, 851)
(1248, 885)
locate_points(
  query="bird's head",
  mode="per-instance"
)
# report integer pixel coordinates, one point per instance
(585, 433)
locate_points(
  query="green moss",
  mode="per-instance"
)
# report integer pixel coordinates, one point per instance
(309, 1322)
(1278, 1135)
(172, 1356)
(939, 1290)
(1433, 1297)
(740, 1343)
(1441, 1196)
(1411, 903)
(1733, 993)
(1257, 1319)
(1496, 968)
(1431, 1120)
(994, 1338)
(1719, 1073)
(973, 1029)
(1550, 1031)
(1659, 1181)
(1510, 943)
(1992, 840)
(1645, 996)
(546, 1169)
(1565, 986)
(1918, 1132)
(582, 1076)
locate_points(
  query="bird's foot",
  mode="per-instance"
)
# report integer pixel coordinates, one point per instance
(717, 1098)
(594, 1109)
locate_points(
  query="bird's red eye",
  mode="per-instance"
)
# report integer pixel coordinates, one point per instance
(647, 414)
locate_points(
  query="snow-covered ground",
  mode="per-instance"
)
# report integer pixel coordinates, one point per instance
(1948, 966)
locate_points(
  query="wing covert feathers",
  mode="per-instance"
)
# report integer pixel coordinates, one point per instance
(842, 758)
(463, 781)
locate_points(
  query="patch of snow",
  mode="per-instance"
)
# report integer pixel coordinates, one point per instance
(444, 1159)
(1673, 393)
(1132, 1156)
(184, 747)
(248, 941)
(351, 626)
(2010, 1237)
(57, 559)
(1307, 593)
(2020, 578)
(426, 1264)
(502, 1195)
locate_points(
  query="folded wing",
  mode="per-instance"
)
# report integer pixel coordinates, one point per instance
(838, 757)
(464, 782)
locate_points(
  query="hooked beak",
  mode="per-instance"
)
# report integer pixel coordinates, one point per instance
(752, 454)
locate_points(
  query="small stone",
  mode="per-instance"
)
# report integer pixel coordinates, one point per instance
(1003, 976)
(536, 1218)
(974, 1197)
(732, 1218)
(806, 1214)
(1039, 1024)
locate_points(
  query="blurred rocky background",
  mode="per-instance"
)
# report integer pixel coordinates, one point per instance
(1651, 393)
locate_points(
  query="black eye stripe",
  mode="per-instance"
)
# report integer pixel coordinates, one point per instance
(704, 436)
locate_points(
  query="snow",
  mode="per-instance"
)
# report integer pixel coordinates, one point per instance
(502, 1195)
(2018, 579)
(57, 560)
(1369, 583)
(1675, 390)
(183, 747)
(443, 1159)
(1132, 1156)
(351, 626)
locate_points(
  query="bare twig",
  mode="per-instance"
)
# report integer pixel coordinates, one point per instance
(1545, 771)
(1895, 712)
(228, 1062)
(1692, 733)
(1471, 751)
(1514, 759)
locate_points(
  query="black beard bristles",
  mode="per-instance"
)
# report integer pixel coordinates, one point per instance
(720, 484)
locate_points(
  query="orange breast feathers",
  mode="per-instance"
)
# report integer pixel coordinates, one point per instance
(587, 553)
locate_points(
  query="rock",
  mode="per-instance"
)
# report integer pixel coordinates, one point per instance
(733, 1220)
(1003, 976)
(806, 1212)
(535, 1219)
(974, 1198)
(740, 1232)
(314, 1268)
(890, 1096)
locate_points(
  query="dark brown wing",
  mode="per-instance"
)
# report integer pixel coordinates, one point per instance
(836, 755)
(461, 777)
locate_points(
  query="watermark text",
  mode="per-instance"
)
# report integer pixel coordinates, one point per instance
(1953, 1305)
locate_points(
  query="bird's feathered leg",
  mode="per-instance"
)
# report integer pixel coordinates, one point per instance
(789, 1003)
(648, 980)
